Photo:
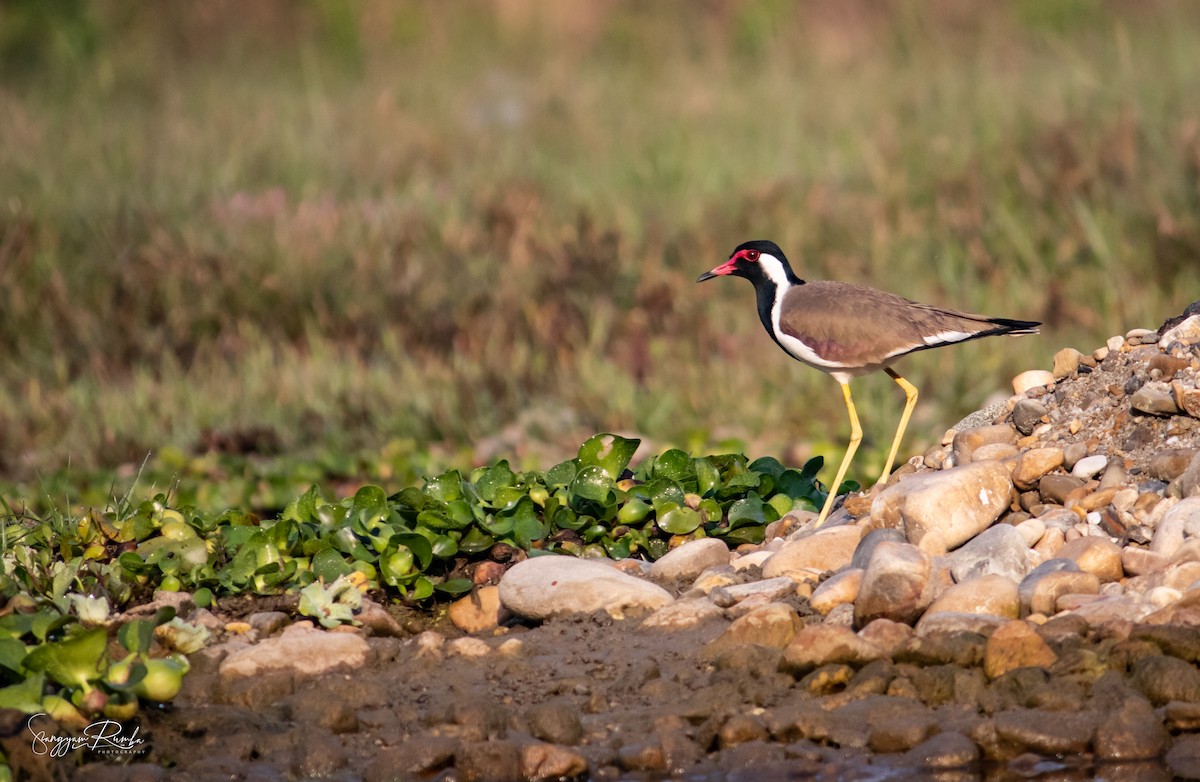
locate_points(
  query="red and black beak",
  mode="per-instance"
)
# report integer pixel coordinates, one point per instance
(729, 267)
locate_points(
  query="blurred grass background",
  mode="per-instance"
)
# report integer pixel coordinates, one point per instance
(366, 239)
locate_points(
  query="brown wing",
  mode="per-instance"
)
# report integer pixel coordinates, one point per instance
(857, 326)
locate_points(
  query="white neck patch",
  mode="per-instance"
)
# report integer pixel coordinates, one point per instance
(773, 269)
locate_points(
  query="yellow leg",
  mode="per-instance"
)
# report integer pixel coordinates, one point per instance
(855, 439)
(910, 401)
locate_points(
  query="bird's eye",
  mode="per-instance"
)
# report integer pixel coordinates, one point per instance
(752, 255)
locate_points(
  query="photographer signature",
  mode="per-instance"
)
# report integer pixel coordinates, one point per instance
(103, 736)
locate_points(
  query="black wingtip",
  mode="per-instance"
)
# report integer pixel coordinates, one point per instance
(1014, 327)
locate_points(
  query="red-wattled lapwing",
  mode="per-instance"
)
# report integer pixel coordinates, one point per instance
(849, 330)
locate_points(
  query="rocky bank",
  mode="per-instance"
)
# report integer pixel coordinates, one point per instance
(1022, 599)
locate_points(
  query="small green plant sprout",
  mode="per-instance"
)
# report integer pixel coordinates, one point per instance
(331, 605)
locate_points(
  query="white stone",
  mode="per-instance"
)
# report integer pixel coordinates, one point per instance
(1031, 378)
(550, 586)
(300, 648)
(690, 560)
(468, 647)
(1090, 466)
(754, 558)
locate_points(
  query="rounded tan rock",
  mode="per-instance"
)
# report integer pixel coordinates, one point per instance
(1035, 463)
(1030, 379)
(1015, 645)
(839, 589)
(1096, 555)
(826, 549)
(993, 594)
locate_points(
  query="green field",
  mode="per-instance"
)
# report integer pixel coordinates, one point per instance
(280, 242)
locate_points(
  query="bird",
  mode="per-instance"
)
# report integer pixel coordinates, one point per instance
(848, 330)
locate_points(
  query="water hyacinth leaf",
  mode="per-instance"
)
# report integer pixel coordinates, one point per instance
(72, 662)
(566, 518)
(609, 452)
(747, 534)
(526, 525)
(475, 541)
(445, 547)
(797, 484)
(332, 516)
(781, 504)
(767, 465)
(742, 479)
(397, 566)
(812, 467)
(440, 520)
(303, 509)
(750, 510)
(594, 532)
(679, 521)
(12, 652)
(498, 525)
(618, 549)
(561, 474)
(329, 565)
(410, 501)
(664, 492)
(674, 464)
(136, 635)
(420, 546)
(656, 548)
(708, 478)
(507, 497)
(446, 487)
(369, 505)
(633, 511)
(594, 483)
(25, 695)
(421, 589)
(455, 586)
(710, 511)
(490, 480)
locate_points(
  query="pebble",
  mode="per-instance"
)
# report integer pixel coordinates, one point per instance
(894, 585)
(478, 612)
(1040, 591)
(1031, 379)
(773, 625)
(1013, 645)
(1154, 398)
(548, 761)
(1035, 463)
(1000, 549)
(817, 645)
(686, 562)
(1028, 413)
(468, 647)
(839, 589)
(1066, 362)
(1096, 555)
(967, 441)
(826, 549)
(299, 648)
(683, 613)
(993, 595)
(551, 586)
(1089, 466)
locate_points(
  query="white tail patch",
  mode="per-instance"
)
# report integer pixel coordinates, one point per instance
(943, 337)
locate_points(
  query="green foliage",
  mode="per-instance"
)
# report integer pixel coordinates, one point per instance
(61, 575)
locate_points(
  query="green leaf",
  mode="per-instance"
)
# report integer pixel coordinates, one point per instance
(475, 541)
(447, 487)
(768, 465)
(12, 652)
(26, 695)
(419, 545)
(750, 510)
(674, 464)
(608, 452)
(455, 586)
(708, 478)
(370, 505)
(561, 474)
(526, 525)
(136, 636)
(594, 483)
(328, 565)
(73, 662)
(679, 521)
(441, 520)
(491, 480)
(303, 509)
(664, 492)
